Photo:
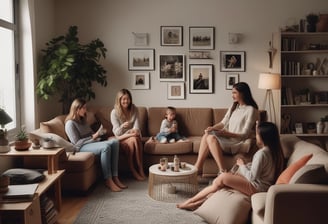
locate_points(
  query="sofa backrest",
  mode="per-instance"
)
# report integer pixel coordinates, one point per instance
(191, 121)
(294, 148)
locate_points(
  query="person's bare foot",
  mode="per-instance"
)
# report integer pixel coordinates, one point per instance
(137, 176)
(119, 183)
(188, 205)
(112, 186)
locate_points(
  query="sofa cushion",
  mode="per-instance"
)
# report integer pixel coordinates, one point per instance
(59, 141)
(156, 148)
(310, 174)
(55, 125)
(225, 207)
(258, 203)
(287, 174)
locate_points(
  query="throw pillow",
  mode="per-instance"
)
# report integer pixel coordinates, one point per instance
(310, 174)
(287, 174)
(225, 207)
(55, 125)
(24, 176)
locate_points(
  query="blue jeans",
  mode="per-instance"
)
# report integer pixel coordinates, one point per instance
(109, 152)
(176, 136)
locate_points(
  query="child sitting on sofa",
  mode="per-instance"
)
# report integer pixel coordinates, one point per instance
(169, 128)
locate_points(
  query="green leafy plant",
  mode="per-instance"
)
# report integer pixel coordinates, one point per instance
(69, 68)
(22, 134)
(324, 119)
(312, 18)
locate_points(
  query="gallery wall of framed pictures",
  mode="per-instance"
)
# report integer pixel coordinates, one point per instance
(173, 65)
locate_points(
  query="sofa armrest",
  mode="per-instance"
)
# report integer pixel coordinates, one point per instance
(296, 203)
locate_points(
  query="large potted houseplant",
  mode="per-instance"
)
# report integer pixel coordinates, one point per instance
(69, 68)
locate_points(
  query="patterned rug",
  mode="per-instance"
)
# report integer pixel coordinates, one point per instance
(132, 205)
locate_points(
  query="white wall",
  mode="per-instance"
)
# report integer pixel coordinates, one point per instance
(114, 21)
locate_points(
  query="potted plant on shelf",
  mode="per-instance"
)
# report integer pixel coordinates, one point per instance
(312, 20)
(21, 140)
(69, 68)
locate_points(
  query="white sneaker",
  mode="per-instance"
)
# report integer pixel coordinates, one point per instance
(172, 140)
(163, 140)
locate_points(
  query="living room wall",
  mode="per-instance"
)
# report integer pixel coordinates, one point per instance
(115, 21)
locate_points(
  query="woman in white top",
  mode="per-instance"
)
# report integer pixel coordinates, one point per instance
(124, 118)
(229, 135)
(257, 176)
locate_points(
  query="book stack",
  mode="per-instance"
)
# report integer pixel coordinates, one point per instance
(19, 193)
(49, 213)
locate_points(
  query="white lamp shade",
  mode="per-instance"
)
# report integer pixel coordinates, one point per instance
(269, 81)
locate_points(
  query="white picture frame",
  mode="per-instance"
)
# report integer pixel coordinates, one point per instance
(172, 68)
(176, 91)
(201, 38)
(140, 80)
(231, 79)
(141, 59)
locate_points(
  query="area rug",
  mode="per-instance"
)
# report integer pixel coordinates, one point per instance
(132, 205)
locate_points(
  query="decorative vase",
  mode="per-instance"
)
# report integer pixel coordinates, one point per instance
(322, 25)
(320, 127)
(325, 130)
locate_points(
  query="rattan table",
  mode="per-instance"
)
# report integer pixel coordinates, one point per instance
(171, 186)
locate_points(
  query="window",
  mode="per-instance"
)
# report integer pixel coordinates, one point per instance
(8, 62)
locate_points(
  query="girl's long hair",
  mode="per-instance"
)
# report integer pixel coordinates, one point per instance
(75, 106)
(246, 94)
(118, 108)
(269, 134)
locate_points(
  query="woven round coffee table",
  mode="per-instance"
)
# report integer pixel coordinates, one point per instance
(171, 186)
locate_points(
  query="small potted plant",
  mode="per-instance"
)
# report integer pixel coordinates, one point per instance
(21, 140)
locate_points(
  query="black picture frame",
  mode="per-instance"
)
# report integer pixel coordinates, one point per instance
(202, 38)
(232, 61)
(201, 78)
(171, 35)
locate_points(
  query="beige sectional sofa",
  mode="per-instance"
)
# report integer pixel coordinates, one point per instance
(82, 169)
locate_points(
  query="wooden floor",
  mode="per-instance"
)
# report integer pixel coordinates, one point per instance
(71, 206)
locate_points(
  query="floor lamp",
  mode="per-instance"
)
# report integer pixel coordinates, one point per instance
(269, 81)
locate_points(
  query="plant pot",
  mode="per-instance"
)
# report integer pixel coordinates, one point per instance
(22, 145)
(311, 28)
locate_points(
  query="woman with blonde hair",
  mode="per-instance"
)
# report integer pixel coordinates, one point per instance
(85, 140)
(124, 118)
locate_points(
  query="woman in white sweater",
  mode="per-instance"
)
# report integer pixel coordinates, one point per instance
(257, 176)
(229, 135)
(124, 118)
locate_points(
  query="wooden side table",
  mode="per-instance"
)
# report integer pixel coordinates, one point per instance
(170, 186)
(52, 178)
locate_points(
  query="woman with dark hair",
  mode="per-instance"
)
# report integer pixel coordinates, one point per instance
(124, 118)
(257, 176)
(85, 140)
(230, 134)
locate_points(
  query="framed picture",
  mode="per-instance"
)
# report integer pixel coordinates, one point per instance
(232, 61)
(140, 80)
(201, 38)
(172, 67)
(175, 91)
(231, 79)
(171, 35)
(201, 78)
(141, 59)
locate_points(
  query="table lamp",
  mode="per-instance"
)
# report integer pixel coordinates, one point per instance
(269, 81)
(4, 119)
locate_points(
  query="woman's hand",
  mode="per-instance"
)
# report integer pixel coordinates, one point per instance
(209, 129)
(240, 162)
(125, 124)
